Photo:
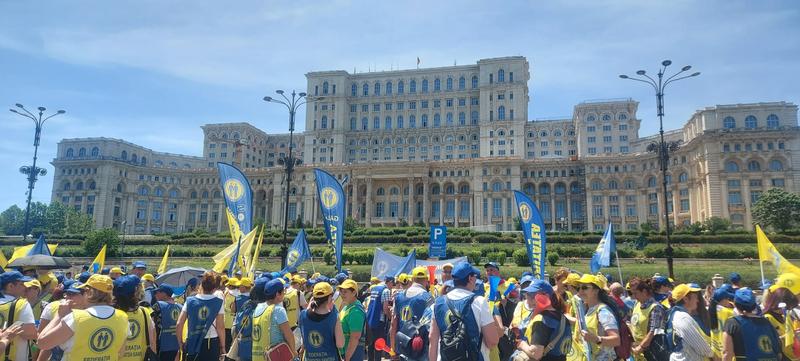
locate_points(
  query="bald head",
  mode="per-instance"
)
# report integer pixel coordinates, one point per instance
(617, 289)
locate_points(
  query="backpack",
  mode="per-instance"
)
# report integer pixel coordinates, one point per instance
(623, 351)
(455, 344)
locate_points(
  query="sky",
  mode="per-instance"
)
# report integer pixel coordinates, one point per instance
(153, 71)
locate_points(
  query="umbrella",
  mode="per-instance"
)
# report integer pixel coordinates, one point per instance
(179, 276)
(40, 261)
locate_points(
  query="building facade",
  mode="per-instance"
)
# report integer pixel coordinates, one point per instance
(447, 146)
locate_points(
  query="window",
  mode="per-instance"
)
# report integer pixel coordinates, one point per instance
(353, 124)
(731, 166)
(400, 87)
(750, 122)
(729, 123)
(424, 85)
(753, 166)
(388, 123)
(735, 198)
(449, 84)
(377, 88)
(437, 120)
(462, 118)
(437, 85)
(353, 89)
(388, 88)
(775, 165)
(95, 152)
(376, 123)
(365, 90)
(778, 182)
(501, 113)
(772, 121)
(412, 86)
(683, 177)
(501, 76)
(474, 82)
(364, 123)
(651, 182)
(412, 121)
(399, 122)
(474, 117)
(324, 122)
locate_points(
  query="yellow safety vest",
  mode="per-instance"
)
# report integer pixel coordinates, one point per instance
(136, 343)
(291, 302)
(577, 352)
(781, 327)
(260, 333)
(593, 325)
(230, 313)
(97, 338)
(640, 321)
(4, 318)
(723, 314)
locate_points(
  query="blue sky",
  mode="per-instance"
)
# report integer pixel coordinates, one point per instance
(153, 71)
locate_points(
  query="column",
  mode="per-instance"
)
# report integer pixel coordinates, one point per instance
(568, 216)
(456, 207)
(220, 214)
(441, 210)
(553, 207)
(477, 210)
(425, 201)
(149, 216)
(589, 212)
(410, 201)
(354, 197)
(368, 211)
(503, 204)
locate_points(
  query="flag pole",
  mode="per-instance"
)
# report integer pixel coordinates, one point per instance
(619, 269)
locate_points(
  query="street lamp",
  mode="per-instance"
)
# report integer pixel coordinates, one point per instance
(33, 172)
(663, 148)
(288, 161)
(124, 230)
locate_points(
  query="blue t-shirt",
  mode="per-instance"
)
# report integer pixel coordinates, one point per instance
(278, 317)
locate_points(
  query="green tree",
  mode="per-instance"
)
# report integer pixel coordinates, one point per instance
(12, 220)
(56, 218)
(77, 222)
(778, 209)
(95, 240)
(350, 224)
(716, 225)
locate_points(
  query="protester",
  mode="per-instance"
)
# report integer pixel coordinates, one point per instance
(115, 272)
(33, 290)
(778, 307)
(149, 283)
(378, 312)
(320, 327)
(647, 322)
(294, 300)
(687, 334)
(243, 323)
(270, 322)
(15, 308)
(205, 339)
(503, 314)
(736, 280)
(720, 309)
(127, 294)
(409, 306)
(165, 318)
(523, 310)
(601, 319)
(548, 335)
(352, 317)
(749, 335)
(229, 304)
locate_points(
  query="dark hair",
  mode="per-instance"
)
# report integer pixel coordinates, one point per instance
(642, 285)
(460, 282)
(702, 311)
(210, 282)
(129, 303)
(318, 301)
(558, 303)
(272, 296)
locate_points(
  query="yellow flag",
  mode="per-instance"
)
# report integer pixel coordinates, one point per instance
(163, 266)
(768, 253)
(223, 258)
(3, 260)
(252, 272)
(233, 226)
(99, 261)
(23, 251)
(244, 252)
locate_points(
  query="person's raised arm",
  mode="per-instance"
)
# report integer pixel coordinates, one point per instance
(433, 339)
(179, 332)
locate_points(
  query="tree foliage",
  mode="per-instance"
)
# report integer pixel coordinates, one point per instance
(95, 240)
(778, 209)
(55, 218)
(714, 225)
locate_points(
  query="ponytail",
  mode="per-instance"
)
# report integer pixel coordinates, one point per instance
(318, 302)
(603, 297)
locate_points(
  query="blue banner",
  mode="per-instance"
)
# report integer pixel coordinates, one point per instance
(331, 202)
(387, 264)
(438, 245)
(298, 252)
(238, 195)
(533, 232)
(408, 263)
(602, 255)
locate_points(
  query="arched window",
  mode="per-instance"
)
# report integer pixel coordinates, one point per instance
(651, 182)
(119, 187)
(775, 165)
(597, 185)
(412, 86)
(353, 89)
(729, 123)
(66, 186)
(449, 83)
(501, 76)
(591, 118)
(388, 123)
(731, 166)
(79, 186)
(365, 89)
(394, 191)
(474, 82)
(353, 124)
(217, 194)
(435, 189)
(424, 85)
(473, 117)
(400, 87)
(497, 187)
(193, 195)
(144, 161)
(544, 189)
(143, 191)
(753, 166)
(560, 188)
(205, 195)
(324, 122)
(159, 192)
(606, 117)
(95, 152)
(750, 122)
(437, 85)
(629, 184)
(388, 88)
(622, 116)
(377, 88)
(399, 122)
(92, 185)
(683, 177)
(412, 121)
(124, 155)
(612, 184)
(529, 189)
(364, 123)
(462, 118)
(437, 120)
(82, 152)
(424, 121)
(449, 189)
(173, 193)
(772, 121)
(462, 83)
(71, 153)
(501, 113)
(449, 119)
(376, 123)
(325, 88)
(464, 189)
(380, 191)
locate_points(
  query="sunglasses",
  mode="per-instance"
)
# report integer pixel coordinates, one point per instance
(587, 287)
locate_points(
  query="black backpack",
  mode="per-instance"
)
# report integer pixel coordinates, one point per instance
(455, 344)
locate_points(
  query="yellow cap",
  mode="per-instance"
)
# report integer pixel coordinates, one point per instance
(99, 282)
(511, 280)
(246, 282)
(33, 283)
(374, 280)
(603, 279)
(148, 277)
(348, 283)
(233, 282)
(402, 278)
(591, 279)
(315, 275)
(680, 291)
(297, 279)
(790, 281)
(420, 273)
(322, 289)
(116, 270)
(573, 279)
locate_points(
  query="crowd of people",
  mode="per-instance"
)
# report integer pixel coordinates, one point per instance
(464, 315)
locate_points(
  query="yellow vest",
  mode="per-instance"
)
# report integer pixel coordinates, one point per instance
(260, 334)
(136, 343)
(593, 325)
(576, 353)
(230, 313)
(96, 338)
(640, 321)
(723, 314)
(780, 327)
(4, 318)
(37, 310)
(291, 302)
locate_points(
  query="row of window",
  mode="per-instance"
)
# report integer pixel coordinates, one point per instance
(399, 122)
(775, 165)
(606, 128)
(749, 147)
(412, 105)
(751, 122)
(412, 140)
(387, 88)
(606, 117)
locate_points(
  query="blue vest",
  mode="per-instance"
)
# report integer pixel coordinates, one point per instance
(463, 306)
(244, 322)
(760, 340)
(375, 309)
(410, 309)
(167, 340)
(239, 302)
(564, 344)
(201, 316)
(319, 337)
(674, 342)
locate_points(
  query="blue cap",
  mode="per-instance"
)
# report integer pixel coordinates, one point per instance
(479, 290)
(166, 289)
(193, 282)
(323, 279)
(492, 264)
(462, 270)
(60, 278)
(388, 278)
(539, 286)
(272, 287)
(125, 286)
(12, 276)
(724, 292)
(527, 273)
(745, 299)
(341, 277)
(275, 274)
(257, 292)
(139, 264)
(105, 271)
(333, 282)
(84, 276)
(525, 278)
(735, 277)
(73, 287)
(661, 281)
(693, 285)
(310, 283)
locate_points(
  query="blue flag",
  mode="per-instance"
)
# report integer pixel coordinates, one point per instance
(385, 263)
(238, 195)
(40, 247)
(298, 252)
(331, 202)
(408, 264)
(234, 258)
(602, 255)
(533, 232)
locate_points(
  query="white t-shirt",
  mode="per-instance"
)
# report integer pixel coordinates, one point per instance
(25, 317)
(99, 311)
(480, 308)
(48, 312)
(212, 331)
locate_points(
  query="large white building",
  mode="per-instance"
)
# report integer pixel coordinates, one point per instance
(447, 146)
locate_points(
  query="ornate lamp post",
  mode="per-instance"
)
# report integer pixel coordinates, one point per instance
(33, 172)
(663, 148)
(289, 161)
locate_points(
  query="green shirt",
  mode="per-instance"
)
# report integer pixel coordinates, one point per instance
(352, 317)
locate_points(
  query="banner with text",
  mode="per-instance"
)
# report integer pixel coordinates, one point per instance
(533, 232)
(438, 243)
(331, 203)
